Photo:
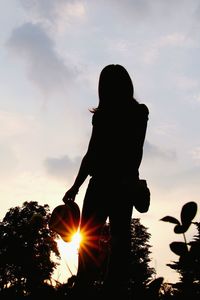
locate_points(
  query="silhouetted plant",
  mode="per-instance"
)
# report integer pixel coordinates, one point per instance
(188, 265)
(26, 248)
(195, 253)
(153, 289)
(141, 272)
(167, 291)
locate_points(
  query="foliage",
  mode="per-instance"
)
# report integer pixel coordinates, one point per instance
(27, 245)
(141, 273)
(188, 265)
(188, 213)
(26, 248)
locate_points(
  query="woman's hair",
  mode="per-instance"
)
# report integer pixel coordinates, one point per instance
(115, 87)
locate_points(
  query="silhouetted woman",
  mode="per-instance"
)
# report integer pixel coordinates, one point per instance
(112, 160)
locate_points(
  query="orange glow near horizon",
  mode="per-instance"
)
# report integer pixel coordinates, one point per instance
(69, 251)
(89, 242)
(70, 248)
(87, 239)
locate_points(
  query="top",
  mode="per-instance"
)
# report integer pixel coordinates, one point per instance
(116, 145)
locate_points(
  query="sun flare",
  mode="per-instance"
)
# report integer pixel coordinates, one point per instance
(70, 249)
(76, 239)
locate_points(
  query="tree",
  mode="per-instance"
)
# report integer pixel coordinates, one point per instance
(195, 251)
(26, 248)
(141, 272)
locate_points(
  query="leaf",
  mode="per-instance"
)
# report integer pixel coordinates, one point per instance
(180, 229)
(188, 213)
(179, 248)
(170, 220)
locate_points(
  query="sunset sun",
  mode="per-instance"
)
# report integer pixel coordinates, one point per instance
(76, 239)
(69, 250)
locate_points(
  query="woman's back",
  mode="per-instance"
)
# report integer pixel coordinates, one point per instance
(118, 141)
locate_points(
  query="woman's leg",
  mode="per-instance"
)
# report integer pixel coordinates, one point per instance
(93, 218)
(120, 227)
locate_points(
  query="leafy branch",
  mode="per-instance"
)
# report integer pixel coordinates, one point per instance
(188, 212)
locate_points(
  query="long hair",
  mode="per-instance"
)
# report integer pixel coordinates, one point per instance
(115, 88)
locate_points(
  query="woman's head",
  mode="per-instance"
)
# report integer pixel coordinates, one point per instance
(115, 87)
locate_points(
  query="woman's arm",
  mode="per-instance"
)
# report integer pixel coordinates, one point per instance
(81, 176)
(84, 169)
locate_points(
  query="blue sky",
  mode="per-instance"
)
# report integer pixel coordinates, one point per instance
(51, 54)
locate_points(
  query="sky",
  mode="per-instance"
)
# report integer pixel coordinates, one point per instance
(51, 55)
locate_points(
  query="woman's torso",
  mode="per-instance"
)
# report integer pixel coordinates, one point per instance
(119, 137)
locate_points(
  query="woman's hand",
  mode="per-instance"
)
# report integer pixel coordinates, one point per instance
(70, 194)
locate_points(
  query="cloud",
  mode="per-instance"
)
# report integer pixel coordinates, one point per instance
(45, 67)
(55, 15)
(185, 179)
(165, 172)
(63, 167)
(173, 41)
(162, 11)
(176, 39)
(40, 9)
(154, 152)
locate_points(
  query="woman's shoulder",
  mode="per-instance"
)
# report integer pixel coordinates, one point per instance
(96, 118)
(136, 109)
(140, 109)
(143, 109)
